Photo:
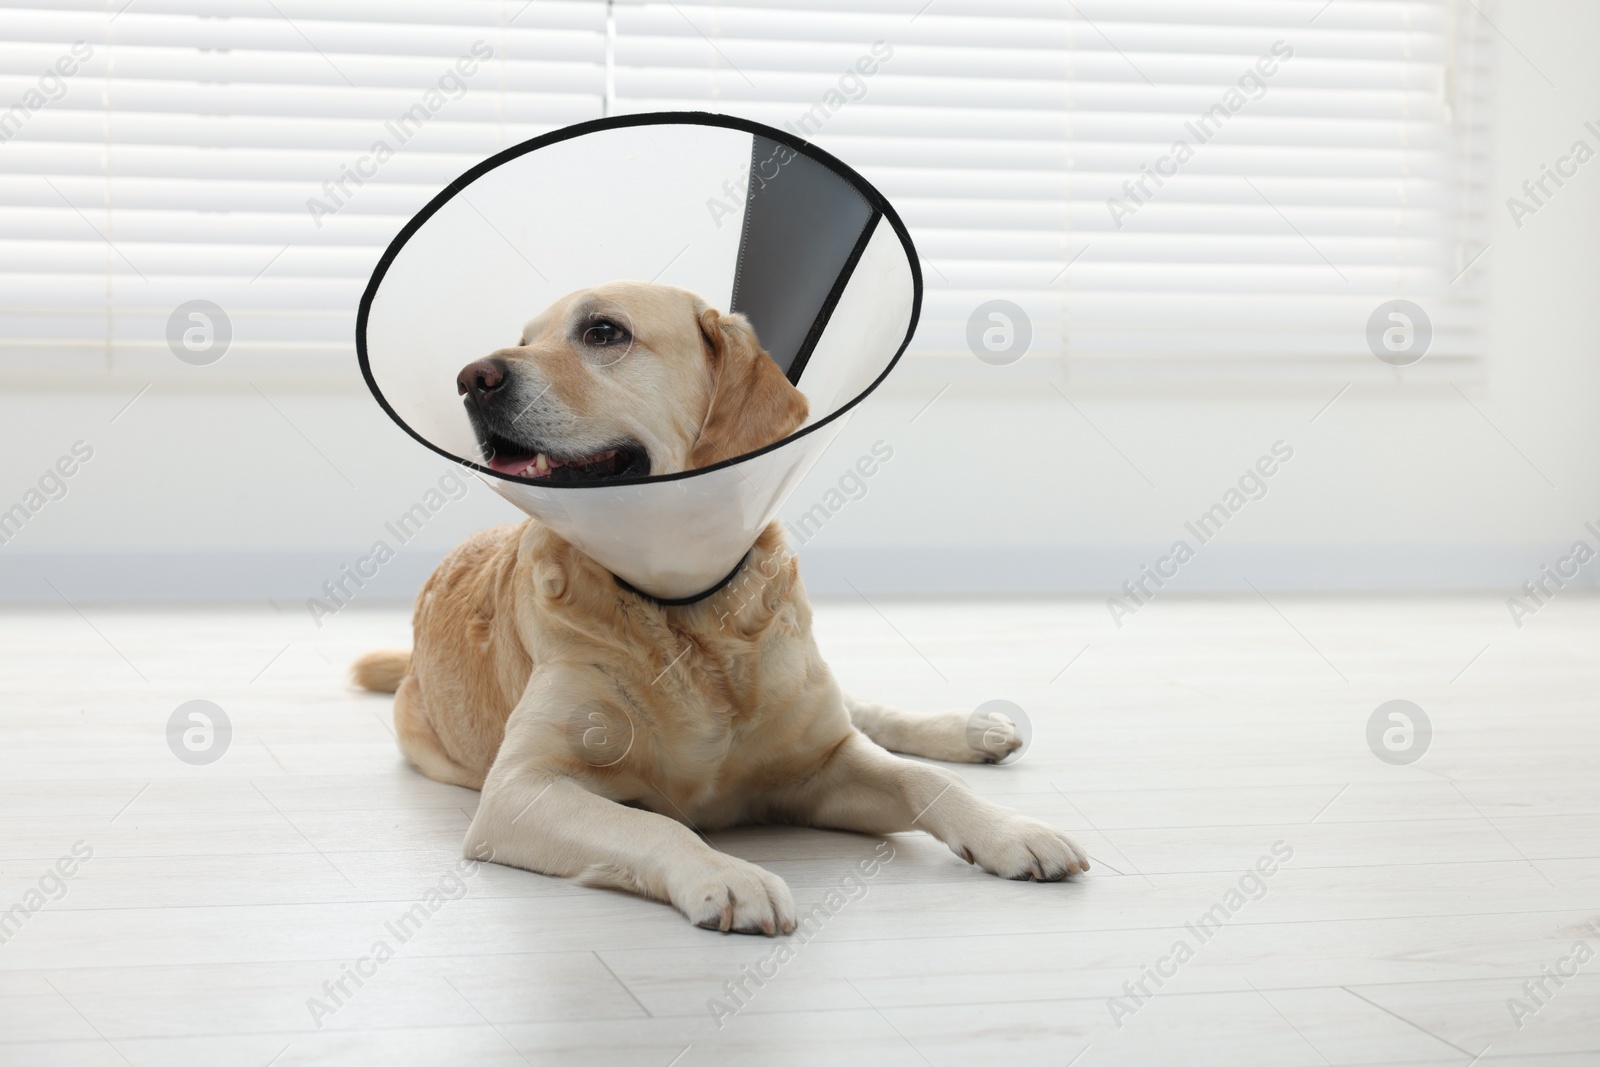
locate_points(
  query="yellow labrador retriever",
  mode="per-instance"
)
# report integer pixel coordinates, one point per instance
(606, 729)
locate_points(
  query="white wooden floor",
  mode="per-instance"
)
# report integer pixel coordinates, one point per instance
(1417, 902)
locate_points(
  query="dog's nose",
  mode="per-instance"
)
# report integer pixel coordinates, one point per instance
(481, 378)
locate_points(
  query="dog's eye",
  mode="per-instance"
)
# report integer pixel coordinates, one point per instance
(604, 333)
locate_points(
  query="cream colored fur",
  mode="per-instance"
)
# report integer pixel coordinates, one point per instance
(608, 732)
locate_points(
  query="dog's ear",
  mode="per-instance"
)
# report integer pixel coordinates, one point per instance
(752, 403)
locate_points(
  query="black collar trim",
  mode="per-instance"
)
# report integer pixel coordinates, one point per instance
(678, 602)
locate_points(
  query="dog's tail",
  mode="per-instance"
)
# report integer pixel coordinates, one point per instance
(381, 671)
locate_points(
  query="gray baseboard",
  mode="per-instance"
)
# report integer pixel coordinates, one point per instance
(297, 576)
(294, 576)
(1096, 570)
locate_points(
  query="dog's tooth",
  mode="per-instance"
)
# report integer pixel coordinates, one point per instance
(542, 462)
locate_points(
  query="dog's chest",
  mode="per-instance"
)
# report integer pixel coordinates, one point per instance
(727, 720)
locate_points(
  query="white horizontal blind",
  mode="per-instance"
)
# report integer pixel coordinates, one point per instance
(258, 154)
(224, 150)
(1000, 129)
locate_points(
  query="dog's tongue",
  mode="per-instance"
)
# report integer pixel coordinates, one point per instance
(540, 465)
(506, 465)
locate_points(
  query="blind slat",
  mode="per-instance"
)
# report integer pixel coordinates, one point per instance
(262, 154)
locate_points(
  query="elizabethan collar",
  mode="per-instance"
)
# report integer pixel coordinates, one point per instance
(750, 218)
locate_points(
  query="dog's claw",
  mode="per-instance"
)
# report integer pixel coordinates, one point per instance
(1024, 849)
(734, 896)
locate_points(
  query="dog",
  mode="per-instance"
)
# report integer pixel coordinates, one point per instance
(607, 731)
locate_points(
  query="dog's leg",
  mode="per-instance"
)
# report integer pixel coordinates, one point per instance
(553, 825)
(537, 814)
(953, 736)
(421, 743)
(864, 788)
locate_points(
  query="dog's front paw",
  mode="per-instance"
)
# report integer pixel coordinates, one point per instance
(730, 894)
(990, 737)
(963, 737)
(1022, 848)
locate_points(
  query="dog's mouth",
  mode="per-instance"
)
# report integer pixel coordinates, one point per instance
(626, 459)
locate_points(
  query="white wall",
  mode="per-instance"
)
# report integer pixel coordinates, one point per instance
(999, 485)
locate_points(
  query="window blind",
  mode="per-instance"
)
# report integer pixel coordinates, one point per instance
(1165, 189)
(254, 154)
